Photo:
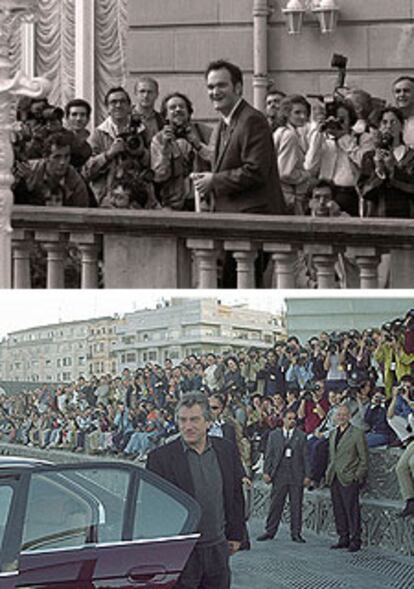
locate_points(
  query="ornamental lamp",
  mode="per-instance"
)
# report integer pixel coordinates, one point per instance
(327, 12)
(294, 12)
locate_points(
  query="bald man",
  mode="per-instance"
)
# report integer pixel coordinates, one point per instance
(347, 469)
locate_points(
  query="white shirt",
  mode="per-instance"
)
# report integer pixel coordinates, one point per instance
(408, 132)
(229, 117)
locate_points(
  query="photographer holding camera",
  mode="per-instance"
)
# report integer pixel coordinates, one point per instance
(387, 173)
(333, 152)
(120, 155)
(391, 356)
(177, 151)
(400, 414)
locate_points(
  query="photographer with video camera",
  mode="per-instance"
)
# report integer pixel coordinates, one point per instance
(177, 151)
(387, 173)
(120, 157)
(400, 414)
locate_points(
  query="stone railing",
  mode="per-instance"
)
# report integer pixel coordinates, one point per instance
(165, 249)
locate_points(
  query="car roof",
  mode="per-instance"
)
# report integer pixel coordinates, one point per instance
(8, 461)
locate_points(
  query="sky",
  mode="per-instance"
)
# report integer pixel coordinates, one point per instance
(22, 309)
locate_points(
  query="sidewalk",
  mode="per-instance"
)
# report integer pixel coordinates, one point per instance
(283, 564)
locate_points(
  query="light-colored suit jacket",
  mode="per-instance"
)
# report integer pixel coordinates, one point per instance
(349, 460)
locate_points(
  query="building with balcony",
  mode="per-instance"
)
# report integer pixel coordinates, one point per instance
(59, 352)
(182, 327)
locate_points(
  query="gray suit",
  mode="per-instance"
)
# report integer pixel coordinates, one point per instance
(286, 462)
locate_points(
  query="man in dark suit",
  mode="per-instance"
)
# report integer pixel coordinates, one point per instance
(286, 466)
(207, 468)
(244, 177)
(347, 469)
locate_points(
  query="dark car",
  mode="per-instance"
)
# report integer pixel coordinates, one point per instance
(97, 525)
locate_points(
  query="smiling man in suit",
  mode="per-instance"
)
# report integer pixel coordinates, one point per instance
(286, 466)
(347, 469)
(209, 469)
(244, 177)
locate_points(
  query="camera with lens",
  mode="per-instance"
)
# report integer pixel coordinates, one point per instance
(180, 131)
(133, 137)
(331, 124)
(385, 141)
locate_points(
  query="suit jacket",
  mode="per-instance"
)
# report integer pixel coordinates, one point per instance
(170, 462)
(349, 460)
(245, 170)
(275, 450)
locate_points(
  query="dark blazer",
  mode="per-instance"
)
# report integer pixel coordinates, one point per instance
(171, 463)
(245, 170)
(275, 449)
(389, 197)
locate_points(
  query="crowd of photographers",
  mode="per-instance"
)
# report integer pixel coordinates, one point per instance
(345, 154)
(372, 372)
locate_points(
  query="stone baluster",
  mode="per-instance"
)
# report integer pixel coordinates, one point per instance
(284, 257)
(367, 260)
(244, 252)
(21, 248)
(55, 247)
(89, 250)
(205, 253)
(323, 258)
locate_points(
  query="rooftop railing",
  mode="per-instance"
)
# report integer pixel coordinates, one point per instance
(167, 249)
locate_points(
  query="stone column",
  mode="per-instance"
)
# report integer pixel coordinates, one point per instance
(205, 253)
(21, 246)
(89, 250)
(85, 51)
(283, 256)
(324, 258)
(261, 12)
(244, 252)
(367, 260)
(55, 247)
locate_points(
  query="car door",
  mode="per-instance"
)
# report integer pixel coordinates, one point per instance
(100, 525)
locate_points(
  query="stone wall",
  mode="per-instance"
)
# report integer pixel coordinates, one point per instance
(175, 40)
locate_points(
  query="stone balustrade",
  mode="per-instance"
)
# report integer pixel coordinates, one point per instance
(165, 249)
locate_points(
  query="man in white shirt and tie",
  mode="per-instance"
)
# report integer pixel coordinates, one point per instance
(286, 466)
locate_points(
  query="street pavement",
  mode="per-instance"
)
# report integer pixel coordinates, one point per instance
(283, 564)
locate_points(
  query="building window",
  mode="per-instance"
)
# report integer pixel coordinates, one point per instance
(81, 360)
(67, 376)
(152, 356)
(131, 357)
(122, 358)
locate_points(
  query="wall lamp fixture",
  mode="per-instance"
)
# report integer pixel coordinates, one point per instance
(326, 11)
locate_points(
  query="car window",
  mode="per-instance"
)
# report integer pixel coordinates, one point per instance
(158, 514)
(56, 516)
(6, 496)
(74, 508)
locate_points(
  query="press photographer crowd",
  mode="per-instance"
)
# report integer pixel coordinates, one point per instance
(291, 410)
(342, 154)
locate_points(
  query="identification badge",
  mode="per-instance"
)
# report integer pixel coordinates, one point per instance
(393, 366)
(288, 453)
